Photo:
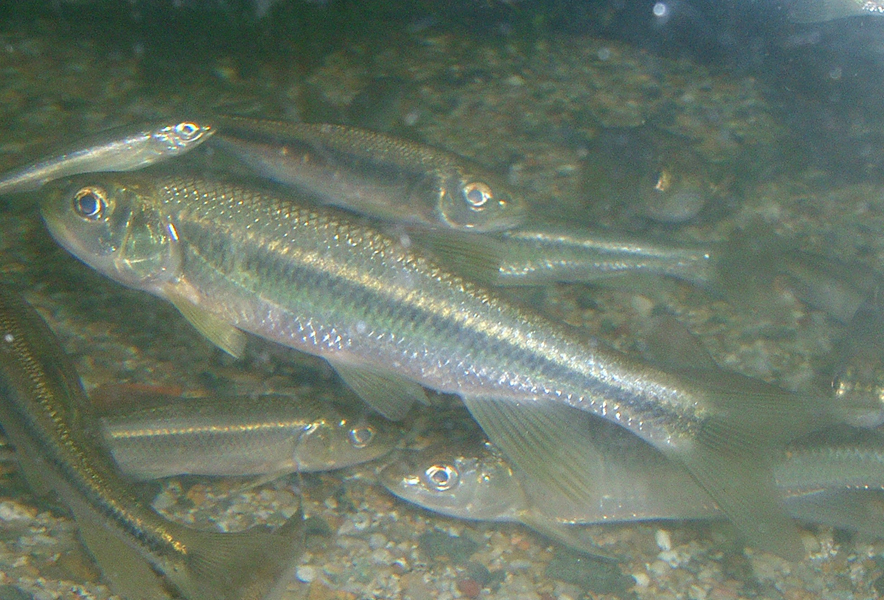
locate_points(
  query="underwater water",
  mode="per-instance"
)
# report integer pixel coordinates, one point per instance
(584, 106)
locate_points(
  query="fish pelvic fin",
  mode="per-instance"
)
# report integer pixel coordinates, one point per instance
(218, 331)
(385, 391)
(248, 565)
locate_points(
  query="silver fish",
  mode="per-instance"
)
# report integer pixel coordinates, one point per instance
(390, 321)
(268, 435)
(832, 483)
(120, 149)
(45, 413)
(374, 174)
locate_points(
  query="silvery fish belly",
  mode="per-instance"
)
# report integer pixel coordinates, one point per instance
(120, 149)
(389, 321)
(267, 435)
(374, 174)
(46, 415)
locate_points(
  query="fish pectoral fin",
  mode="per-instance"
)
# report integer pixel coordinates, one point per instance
(857, 509)
(218, 331)
(565, 534)
(546, 440)
(473, 255)
(384, 391)
(127, 573)
(245, 565)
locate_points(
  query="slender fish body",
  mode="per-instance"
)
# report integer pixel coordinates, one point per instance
(823, 482)
(387, 319)
(374, 174)
(268, 435)
(120, 149)
(44, 412)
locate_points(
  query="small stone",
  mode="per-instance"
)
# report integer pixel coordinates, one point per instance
(305, 573)
(469, 588)
(641, 580)
(664, 542)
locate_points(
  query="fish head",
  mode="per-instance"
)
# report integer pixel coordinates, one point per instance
(178, 138)
(112, 223)
(480, 203)
(674, 193)
(465, 480)
(341, 441)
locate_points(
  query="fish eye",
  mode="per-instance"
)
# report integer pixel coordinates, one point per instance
(664, 180)
(90, 203)
(360, 437)
(187, 130)
(478, 195)
(442, 477)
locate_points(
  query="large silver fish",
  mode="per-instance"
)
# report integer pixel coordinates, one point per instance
(390, 321)
(266, 435)
(44, 412)
(374, 174)
(120, 149)
(833, 483)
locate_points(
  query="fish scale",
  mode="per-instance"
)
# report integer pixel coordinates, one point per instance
(390, 320)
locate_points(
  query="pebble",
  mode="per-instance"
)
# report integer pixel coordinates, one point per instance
(664, 542)
(469, 588)
(305, 573)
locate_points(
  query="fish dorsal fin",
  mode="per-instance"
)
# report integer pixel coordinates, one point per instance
(127, 573)
(218, 331)
(386, 392)
(547, 441)
(476, 256)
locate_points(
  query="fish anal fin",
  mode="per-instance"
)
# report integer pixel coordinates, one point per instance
(218, 331)
(386, 392)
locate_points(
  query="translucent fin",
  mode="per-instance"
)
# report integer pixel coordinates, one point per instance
(731, 452)
(386, 392)
(546, 441)
(248, 565)
(127, 572)
(216, 330)
(564, 534)
(477, 256)
(668, 343)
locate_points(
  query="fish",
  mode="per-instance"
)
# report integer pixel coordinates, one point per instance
(45, 413)
(374, 174)
(818, 11)
(859, 358)
(558, 253)
(120, 149)
(267, 435)
(837, 483)
(391, 321)
(633, 176)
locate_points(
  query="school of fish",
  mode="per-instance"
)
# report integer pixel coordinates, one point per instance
(382, 256)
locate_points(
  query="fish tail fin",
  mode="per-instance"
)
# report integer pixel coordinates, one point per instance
(734, 449)
(246, 565)
(743, 487)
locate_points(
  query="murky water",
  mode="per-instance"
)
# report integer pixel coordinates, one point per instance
(784, 121)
